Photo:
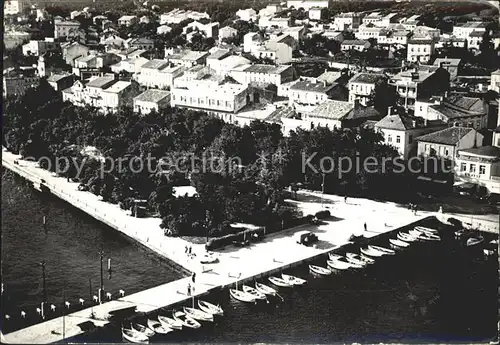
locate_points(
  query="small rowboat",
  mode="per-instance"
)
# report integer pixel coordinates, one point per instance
(488, 252)
(474, 241)
(494, 242)
(168, 322)
(134, 336)
(386, 251)
(198, 314)
(255, 293)
(424, 229)
(320, 270)
(429, 237)
(186, 320)
(358, 258)
(210, 308)
(333, 256)
(242, 296)
(293, 280)
(338, 266)
(370, 253)
(157, 327)
(402, 236)
(279, 282)
(143, 329)
(398, 244)
(209, 258)
(265, 289)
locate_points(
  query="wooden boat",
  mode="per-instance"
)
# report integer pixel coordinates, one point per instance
(320, 270)
(186, 320)
(134, 337)
(198, 315)
(242, 296)
(143, 329)
(279, 282)
(398, 244)
(209, 258)
(460, 233)
(429, 237)
(386, 251)
(370, 253)
(333, 256)
(494, 242)
(157, 327)
(338, 266)
(293, 280)
(474, 241)
(265, 289)
(488, 252)
(169, 322)
(208, 307)
(255, 293)
(402, 236)
(358, 258)
(424, 229)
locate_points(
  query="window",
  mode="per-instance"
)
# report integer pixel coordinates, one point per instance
(410, 139)
(446, 152)
(482, 170)
(463, 166)
(389, 138)
(398, 139)
(427, 148)
(472, 168)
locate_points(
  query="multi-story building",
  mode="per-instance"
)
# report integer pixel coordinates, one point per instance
(420, 50)
(263, 74)
(131, 65)
(495, 81)
(227, 32)
(61, 81)
(452, 66)
(270, 10)
(400, 131)
(307, 4)
(367, 31)
(362, 85)
(65, 28)
(16, 82)
(12, 39)
(186, 57)
(38, 47)
(479, 165)
(347, 21)
(140, 43)
(496, 131)
(474, 40)
(389, 19)
(150, 100)
(389, 36)
(447, 142)
(373, 18)
(359, 45)
(422, 31)
(127, 20)
(163, 29)
(159, 74)
(177, 15)
(14, 6)
(306, 92)
(271, 21)
(225, 65)
(278, 49)
(316, 13)
(208, 30)
(247, 15)
(414, 84)
(72, 51)
(463, 30)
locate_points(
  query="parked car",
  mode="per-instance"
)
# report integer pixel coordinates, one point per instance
(305, 237)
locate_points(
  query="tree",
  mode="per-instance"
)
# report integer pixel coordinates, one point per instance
(383, 95)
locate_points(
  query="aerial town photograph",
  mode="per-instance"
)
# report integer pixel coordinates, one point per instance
(250, 171)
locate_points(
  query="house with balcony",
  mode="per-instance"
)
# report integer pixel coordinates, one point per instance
(420, 50)
(447, 142)
(150, 100)
(159, 74)
(479, 165)
(127, 20)
(263, 74)
(361, 86)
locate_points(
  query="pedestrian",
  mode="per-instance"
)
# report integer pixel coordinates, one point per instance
(193, 277)
(345, 199)
(189, 289)
(185, 249)
(190, 250)
(365, 226)
(415, 209)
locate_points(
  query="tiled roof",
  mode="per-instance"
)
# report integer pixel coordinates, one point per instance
(447, 136)
(118, 86)
(331, 109)
(474, 104)
(329, 77)
(361, 112)
(420, 41)
(155, 64)
(219, 54)
(268, 69)
(485, 151)
(56, 77)
(305, 85)
(401, 122)
(452, 111)
(101, 81)
(476, 34)
(152, 95)
(354, 42)
(367, 78)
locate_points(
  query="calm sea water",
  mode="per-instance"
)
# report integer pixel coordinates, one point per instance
(432, 292)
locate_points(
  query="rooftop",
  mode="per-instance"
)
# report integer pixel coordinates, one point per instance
(329, 77)
(155, 64)
(101, 82)
(361, 112)
(476, 34)
(267, 69)
(354, 42)
(452, 111)
(306, 85)
(152, 95)
(475, 104)
(331, 109)
(483, 151)
(420, 40)
(401, 122)
(449, 61)
(367, 78)
(117, 87)
(219, 54)
(447, 136)
(56, 77)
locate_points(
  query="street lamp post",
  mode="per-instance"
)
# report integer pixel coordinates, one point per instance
(44, 290)
(322, 190)
(101, 289)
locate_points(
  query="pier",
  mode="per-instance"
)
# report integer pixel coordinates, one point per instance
(275, 253)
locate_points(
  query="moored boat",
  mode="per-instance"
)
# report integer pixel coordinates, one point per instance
(370, 253)
(385, 251)
(186, 320)
(242, 296)
(254, 292)
(474, 241)
(208, 307)
(199, 315)
(338, 266)
(319, 270)
(169, 322)
(143, 329)
(398, 244)
(357, 258)
(333, 256)
(402, 236)
(279, 282)
(157, 327)
(429, 237)
(265, 289)
(293, 280)
(425, 229)
(134, 336)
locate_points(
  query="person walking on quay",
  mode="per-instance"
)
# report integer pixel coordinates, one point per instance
(345, 199)
(189, 289)
(185, 249)
(365, 226)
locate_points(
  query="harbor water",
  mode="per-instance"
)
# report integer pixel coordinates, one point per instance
(431, 292)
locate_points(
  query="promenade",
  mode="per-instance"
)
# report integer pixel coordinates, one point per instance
(278, 251)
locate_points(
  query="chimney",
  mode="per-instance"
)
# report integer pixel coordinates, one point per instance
(445, 94)
(414, 123)
(389, 110)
